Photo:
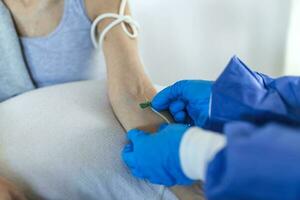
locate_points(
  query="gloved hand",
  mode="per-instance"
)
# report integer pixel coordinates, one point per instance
(155, 157)
(188, 101)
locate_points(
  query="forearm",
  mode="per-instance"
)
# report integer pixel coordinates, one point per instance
(128, 84)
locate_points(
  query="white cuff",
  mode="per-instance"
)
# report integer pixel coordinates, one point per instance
(198, 147)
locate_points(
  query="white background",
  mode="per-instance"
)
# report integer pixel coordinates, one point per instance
(185, 39)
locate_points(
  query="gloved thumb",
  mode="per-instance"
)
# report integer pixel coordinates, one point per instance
(134, 133)
(164, 98)
(129, 159)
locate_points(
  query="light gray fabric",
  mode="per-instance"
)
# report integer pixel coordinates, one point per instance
(64, 143)
(14, 77)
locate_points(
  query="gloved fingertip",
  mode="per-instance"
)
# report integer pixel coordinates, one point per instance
(129, 160)
(162, 100)
(162, 126)
(157, 105)
(180, 117)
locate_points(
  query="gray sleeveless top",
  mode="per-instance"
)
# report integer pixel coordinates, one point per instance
(64, 55)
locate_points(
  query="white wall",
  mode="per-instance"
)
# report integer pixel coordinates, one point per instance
(196, 38)
(292, 64)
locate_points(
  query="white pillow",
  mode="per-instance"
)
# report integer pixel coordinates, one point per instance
(63, 142)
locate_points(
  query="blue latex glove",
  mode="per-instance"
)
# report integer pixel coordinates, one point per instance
(155, 157)
(188, 101)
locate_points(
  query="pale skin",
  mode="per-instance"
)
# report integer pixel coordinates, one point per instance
(128, 85)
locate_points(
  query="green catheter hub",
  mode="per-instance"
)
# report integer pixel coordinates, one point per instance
(145, 105)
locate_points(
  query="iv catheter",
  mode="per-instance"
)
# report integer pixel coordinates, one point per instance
(147, 104)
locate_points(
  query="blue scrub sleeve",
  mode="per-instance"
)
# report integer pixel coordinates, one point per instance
(241, 94)
(257, 163)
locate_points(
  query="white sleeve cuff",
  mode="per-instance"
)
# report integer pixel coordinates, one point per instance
(198, 147)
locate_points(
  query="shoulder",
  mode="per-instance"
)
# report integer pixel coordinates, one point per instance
(95, 8)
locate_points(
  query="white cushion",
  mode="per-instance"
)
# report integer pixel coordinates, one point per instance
(63, 142)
